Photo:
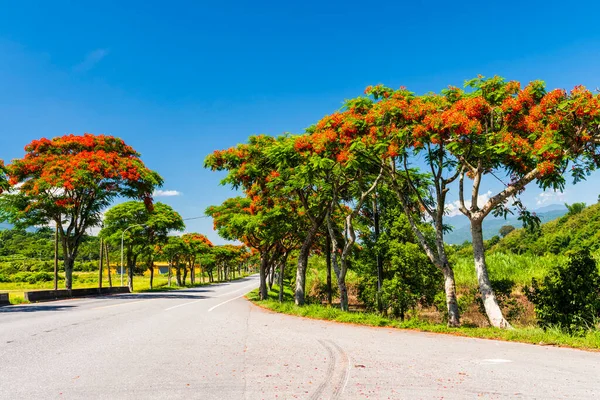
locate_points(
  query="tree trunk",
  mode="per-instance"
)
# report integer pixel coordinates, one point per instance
(178, 274)
(271, 275)
(328, 262)
(151, 275)
(108, 264)
(56, 259)
(493, 311)
(451, 302)
(130, 270)
(281, 272)
(101, 261)
(343, 295)
(169, 274)
(264, 264)
(378, 257)
(299, 296)
(69, 263)
(185, 272)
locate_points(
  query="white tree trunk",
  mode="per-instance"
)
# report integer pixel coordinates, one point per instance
(492, 309)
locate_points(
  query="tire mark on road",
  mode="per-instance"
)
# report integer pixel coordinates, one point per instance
(328, 375)
(345, 361)
(338, 372)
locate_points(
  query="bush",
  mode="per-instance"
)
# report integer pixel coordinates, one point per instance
(4, 278)
(569, 296)
(21, 276)
(39, 277)
(575, 208)
(86, 266)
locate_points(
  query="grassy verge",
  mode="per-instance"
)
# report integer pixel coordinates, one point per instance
(533, 335)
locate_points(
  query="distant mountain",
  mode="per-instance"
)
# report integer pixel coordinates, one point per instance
(461, 231)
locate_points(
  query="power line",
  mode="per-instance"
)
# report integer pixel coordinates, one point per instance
(204, 216)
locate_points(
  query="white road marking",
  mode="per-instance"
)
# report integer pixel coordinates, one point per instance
(237, 290)
(184, 304)
(225, 302)
(120, 304)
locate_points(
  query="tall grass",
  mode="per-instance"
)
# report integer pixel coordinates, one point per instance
(518, 268)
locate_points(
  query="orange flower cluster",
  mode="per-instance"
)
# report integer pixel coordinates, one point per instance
(196, 238)
(77, 162)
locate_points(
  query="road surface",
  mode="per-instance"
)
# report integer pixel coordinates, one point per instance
(210, 343)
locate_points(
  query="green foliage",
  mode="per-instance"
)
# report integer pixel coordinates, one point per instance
(575, 208)
(570, 233)
(410, 279)
(569, 296)
(40, 277)
(506, 229)
(550, 336)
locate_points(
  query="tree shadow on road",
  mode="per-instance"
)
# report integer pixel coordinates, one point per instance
(35, 308)
(152, 295)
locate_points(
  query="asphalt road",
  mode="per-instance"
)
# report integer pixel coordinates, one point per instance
(210, 343)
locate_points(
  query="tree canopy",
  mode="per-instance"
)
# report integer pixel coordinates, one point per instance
(69, 180)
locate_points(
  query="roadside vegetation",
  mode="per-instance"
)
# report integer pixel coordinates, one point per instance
(352, 211)
(552, 336)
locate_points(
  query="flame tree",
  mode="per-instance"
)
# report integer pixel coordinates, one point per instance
(527, 134)
(259, 219)
(196, 244)
(69, 180)
(258, 227)
(341, 182)
(373, 131)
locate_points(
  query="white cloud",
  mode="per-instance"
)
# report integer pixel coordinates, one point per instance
(453, 208)
(166, 193)
(90, 60)
(550, 198)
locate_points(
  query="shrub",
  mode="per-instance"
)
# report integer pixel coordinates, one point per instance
(575, 208)
(506, 229)
(569, 296)
(39, 277)
(21, 276)
(4, 278)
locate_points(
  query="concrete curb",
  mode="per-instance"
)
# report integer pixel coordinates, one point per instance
(45, 295)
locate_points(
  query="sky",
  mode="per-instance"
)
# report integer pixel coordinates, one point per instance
(179, 79)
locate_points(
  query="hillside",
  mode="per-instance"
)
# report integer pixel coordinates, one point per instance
(564, 234)
(461, 231)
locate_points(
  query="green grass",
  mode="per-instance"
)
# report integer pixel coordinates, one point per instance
(533, 335)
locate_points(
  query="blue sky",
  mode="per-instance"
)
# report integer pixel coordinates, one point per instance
(178, 80)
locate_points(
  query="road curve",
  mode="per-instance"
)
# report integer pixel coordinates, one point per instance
(210, 343)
